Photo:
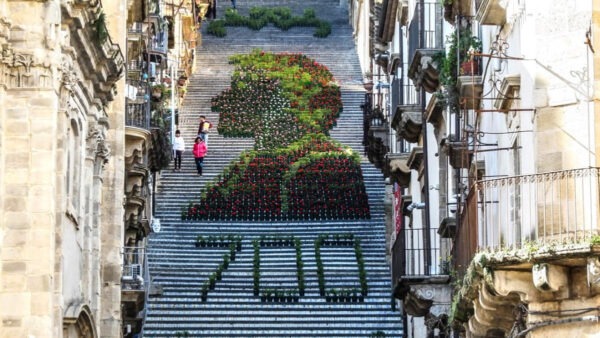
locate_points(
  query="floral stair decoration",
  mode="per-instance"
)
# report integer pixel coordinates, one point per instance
(288, 103)
(341, 295)
(259, 17)
(281, 295)
(234, 243)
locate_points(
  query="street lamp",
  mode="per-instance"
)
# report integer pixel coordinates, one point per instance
(174, 70)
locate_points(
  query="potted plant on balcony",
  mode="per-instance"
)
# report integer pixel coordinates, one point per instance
(461, 47)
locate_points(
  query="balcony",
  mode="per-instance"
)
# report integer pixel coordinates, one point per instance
(137, 115)
(469, 83)
(407, 122)
(398, 169)
(459, 153)
(425, 40)
(420, 272)
(134, 286)
(101, 61)
(551, 209)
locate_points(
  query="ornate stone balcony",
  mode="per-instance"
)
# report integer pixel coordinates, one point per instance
(407, 122)
(536, 234)
(458, 152)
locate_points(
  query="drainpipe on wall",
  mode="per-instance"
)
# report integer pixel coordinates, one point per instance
(427, 225)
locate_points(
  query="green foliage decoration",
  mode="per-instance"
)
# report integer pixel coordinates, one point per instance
(259, 17)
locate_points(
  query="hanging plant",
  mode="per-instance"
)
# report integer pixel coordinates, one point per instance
(99, 26)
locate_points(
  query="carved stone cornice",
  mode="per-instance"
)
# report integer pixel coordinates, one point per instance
(102, 62)
(376, 151)
(434, 112)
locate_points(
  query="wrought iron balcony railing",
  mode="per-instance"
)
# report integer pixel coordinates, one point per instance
(551, 208)
(138, 115)
(419, 259)
(425, 29)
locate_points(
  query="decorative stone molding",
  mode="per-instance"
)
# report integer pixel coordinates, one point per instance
(422, 295)
(22, 71)
(549, 277)
(69, 76)
(5, 25)
(81, 316)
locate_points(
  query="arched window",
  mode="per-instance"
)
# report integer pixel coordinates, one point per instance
(73, 176)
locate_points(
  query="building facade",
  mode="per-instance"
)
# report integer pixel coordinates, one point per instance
(482, 115)
(161, 41)
(62, 153)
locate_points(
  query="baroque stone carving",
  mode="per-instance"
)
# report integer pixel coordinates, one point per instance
(96, 145)
(593, 271)
(69, 76)
(21, 71)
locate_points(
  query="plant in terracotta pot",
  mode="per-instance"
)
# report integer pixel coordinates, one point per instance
(462, 44)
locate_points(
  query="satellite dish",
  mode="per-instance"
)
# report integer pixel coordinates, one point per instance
(155, 225)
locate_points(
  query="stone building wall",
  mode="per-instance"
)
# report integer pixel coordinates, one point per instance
(60, 145)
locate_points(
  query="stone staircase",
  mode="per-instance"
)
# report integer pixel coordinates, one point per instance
(180, 268)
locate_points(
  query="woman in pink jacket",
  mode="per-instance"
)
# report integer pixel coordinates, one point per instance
(199, 153)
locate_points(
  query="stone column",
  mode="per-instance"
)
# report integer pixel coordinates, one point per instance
(28, 154)
(111, 211)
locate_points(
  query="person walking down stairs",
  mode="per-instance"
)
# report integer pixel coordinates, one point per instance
(179, 148)
(204, 128)
(199, 151)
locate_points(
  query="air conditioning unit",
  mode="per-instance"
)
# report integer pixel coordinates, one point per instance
(132, 271)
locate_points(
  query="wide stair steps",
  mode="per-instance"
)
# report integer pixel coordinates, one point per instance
(180, 268)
